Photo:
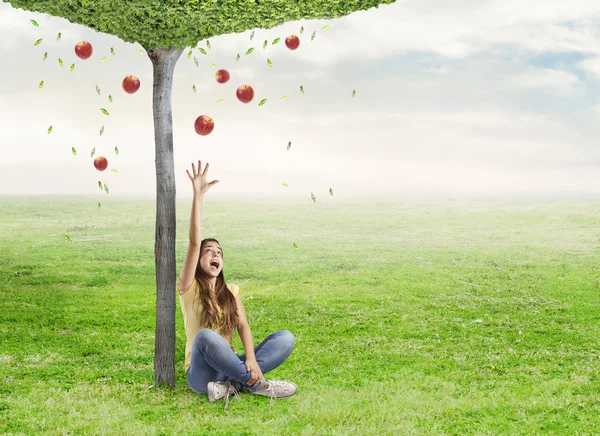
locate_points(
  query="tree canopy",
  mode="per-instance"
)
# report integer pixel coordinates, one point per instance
(162, 24)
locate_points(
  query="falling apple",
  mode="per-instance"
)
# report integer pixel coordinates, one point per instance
(101, 163)
(204, 125)
(83, 49)
(222, 76)
(245, 93)
(131, 84)
(292, 42)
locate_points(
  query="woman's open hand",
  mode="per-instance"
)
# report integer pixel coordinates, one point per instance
(199, 179)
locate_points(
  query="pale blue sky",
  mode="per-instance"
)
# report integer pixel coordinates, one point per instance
(453, 97)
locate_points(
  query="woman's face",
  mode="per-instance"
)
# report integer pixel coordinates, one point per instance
(211, 259)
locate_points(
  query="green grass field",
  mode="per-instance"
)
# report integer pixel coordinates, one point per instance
(410, 317)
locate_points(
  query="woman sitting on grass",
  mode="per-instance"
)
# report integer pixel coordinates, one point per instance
(212, 310)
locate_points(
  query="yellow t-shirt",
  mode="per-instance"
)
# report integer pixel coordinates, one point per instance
(191, 321)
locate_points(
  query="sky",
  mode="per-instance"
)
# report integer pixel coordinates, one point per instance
(452, 97)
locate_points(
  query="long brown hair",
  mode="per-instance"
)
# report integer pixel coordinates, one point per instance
(211, 302)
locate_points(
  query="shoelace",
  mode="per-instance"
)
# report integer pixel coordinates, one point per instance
(230, 390)
(272, 393)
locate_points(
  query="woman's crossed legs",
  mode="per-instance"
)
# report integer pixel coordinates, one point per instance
(213, 360)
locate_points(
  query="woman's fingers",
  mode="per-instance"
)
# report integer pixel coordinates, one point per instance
(255, 377)
(199, 171)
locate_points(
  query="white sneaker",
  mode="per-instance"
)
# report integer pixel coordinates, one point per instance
(217, 390)
(278, 389)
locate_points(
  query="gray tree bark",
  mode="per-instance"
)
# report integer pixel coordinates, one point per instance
(164, 62)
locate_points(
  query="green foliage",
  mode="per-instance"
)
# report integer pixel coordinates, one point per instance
(160, 24)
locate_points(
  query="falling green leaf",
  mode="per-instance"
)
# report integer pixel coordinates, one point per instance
(112, 51)
(285, 185)
(49, 130)
(104, 58)
(285, 97)
(97, 89)
(295, 246)
(68, 239)
(58, 36)
(325, 28)
(331, 192)
(313, 35)
(106, 188)
(208, 44)
(104, 111)
(201, 50)
(72, 67)
(263, 101)
(140, 51)
(101, 130)
(237, 58)
(110, 98)
(73, 151)
(302, 89)
(301, 30)
(252, 35)
(313, 197)
(38, 42)
(100, 185)
(189, 54)
(93, 152)
(116, 150)
(289, 145)
(60, 62)
(35, 23)
(275, 41)
(41, 85)
(269, 63)
(250, 50)
(194, 88)
(353, 93)
(45, 56)
(265, 44)
(99, 205)
(114, 170)
(220, 100)
(210, 64)
(195, 60)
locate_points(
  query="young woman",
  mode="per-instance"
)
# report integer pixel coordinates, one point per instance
(212, 310)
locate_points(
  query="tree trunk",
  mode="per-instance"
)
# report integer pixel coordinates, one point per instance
(164, 62)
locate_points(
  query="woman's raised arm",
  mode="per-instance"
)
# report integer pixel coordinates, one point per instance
(200, 185)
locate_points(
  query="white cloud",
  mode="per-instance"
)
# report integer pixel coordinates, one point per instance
(591, 65)
(552, 80)
(458, 29)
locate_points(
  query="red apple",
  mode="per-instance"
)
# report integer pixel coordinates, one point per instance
(222, 76)
(204, 125)
(245, 93)
(101, 163)
(292, 42)
(131, 84)
(83, 49)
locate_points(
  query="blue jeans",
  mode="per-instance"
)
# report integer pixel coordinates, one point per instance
(213, 359)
